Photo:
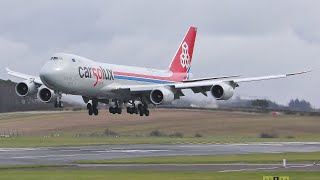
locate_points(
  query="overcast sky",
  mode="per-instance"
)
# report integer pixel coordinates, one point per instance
(235, 37)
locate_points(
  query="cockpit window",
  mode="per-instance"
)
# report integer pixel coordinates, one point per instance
(56, 58)
(73, 60)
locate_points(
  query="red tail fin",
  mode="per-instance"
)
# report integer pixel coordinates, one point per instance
(181, 61)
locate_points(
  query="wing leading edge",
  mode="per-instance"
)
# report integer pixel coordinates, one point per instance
(24, 76)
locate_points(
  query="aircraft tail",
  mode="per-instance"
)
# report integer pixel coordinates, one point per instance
(181, 61)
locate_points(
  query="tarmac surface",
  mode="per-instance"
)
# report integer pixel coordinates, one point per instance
(66, 155)
(237, 167)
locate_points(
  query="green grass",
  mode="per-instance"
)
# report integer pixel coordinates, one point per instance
(35, 130)
(217, 159)
(138, 175)
(22, 115)
(65, 140)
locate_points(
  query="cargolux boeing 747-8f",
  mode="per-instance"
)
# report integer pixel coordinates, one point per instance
(124, 86)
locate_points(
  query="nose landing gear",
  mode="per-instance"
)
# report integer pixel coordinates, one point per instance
(58, 102)
(93, 108)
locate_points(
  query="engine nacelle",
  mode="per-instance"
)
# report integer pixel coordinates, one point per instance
(47, 95)
(222, 91)
(161, 96)
(26, 88)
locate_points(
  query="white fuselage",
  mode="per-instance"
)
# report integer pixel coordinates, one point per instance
(77, 75)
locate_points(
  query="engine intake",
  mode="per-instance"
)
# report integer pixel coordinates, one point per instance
(26, 88)
(46, 95)
(161, 96)
(222, 91)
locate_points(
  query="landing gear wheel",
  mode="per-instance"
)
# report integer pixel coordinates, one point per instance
(90, 112)
(95, 111)
(141, 113)
(119, 110)
(56, 104)
(112, 110)
(92, 109)
(146, 112)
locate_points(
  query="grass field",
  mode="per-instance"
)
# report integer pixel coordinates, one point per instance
(61, 129)
(138, 175)
(217, 159)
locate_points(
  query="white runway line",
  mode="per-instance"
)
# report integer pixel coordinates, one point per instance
(130, 151)
(253, 169)
(51, 156)
(16, 149)
(69, 150)
(268, 168)
(87, 154)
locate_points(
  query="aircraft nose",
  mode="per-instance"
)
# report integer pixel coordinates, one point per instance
(49, 74)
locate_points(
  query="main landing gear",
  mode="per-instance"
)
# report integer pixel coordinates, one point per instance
(132, 110)
(117, 109)
(93, 108)
(142, 109)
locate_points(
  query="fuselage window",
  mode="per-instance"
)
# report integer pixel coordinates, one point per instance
(56, 58)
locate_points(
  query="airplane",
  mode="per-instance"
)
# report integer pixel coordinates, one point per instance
(124, 86)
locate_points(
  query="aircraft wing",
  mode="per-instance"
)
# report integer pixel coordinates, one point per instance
(235, 80)
(202, 86)
(35, 79)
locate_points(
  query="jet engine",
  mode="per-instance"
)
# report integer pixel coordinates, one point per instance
(222, 91)
(26, 88)
(47, 95)
(161, 96)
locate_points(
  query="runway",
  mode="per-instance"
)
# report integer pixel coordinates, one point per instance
(66, 155)
(236, 167)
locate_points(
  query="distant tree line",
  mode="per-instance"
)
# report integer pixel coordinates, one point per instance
(259, 104)
(300, 105)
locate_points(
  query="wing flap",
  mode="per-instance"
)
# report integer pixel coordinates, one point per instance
(210, 78)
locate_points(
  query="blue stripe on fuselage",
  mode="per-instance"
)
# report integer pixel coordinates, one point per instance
(130, 78)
